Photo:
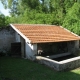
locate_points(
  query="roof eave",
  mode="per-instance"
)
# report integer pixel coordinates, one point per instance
(70, 32)
(53, 41)
(21, 34)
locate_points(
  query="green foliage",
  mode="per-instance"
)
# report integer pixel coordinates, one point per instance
(2, 54)
(72, 19)
(7, 20)
(56, 12)
(4, 20)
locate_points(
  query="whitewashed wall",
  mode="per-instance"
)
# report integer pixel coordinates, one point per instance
(17, 37)
(6, 38)
(30, 51)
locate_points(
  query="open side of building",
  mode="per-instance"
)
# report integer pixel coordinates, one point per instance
(46, 42)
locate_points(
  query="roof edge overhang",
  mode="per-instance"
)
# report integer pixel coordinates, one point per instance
(70, 32)
(22, 35)
(53, 41)
(36, 42)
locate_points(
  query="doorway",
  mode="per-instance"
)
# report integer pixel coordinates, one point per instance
(16, 49)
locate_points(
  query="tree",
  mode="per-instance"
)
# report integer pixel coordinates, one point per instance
(57, 12)
(72, 19)
(4, 21)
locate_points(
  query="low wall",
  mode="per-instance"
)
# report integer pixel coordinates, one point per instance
(58, 55)
(62, 65)
(6, 38)
(51, 63)
(69, 63)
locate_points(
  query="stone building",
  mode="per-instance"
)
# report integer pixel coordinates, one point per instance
(45, 40)
(43, 43)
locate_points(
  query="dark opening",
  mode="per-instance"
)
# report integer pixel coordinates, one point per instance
(16, 49)
(47, 49)
(64, 57)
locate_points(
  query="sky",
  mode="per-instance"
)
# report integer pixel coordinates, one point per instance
(4, 11)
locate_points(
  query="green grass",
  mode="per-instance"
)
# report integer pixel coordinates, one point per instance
(23, 69)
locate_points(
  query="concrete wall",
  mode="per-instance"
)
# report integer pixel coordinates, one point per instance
(51, 63)
(30, 51)
(73, 47)
(69, 63)
(62, 65)
(22, 47)
(17, 37)
(58, 55)
(6, 38)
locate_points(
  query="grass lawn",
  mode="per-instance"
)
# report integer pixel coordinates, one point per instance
(23, 69)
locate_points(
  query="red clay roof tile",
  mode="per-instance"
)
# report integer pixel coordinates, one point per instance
(45, 33)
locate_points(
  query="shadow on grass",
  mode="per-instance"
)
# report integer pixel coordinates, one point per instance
(22, 69)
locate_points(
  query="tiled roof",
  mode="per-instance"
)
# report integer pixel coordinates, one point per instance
(45, 33)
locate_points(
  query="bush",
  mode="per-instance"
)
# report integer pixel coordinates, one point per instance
(2, 54)
(9, 53)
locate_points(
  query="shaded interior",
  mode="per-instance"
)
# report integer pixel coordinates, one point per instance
(47, 49)
(57, 48)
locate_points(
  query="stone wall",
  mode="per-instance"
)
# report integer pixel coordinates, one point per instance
(73, 47)
(62, 65)
(69, 64)
(7, 37)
